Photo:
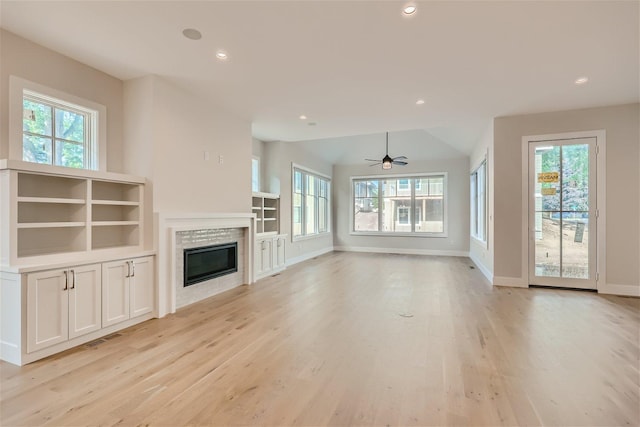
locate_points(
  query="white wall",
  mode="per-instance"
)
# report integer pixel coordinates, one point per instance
(457, 242)
(30, 61)
(622, 125)
(168, 147)
(480, 252)
(277, 161)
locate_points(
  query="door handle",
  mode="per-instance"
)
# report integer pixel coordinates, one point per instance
(128, 269)
(66, 281)
(133, 266)
(73, 276)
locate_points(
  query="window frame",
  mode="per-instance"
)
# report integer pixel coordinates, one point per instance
(257, 159)
(475, 208)
(96, 148)
(319, 177)
(445, 205)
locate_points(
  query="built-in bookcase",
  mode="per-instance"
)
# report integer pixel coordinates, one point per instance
(45, 214)
(266, 206)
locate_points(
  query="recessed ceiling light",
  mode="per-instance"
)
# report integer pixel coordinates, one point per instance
(581, 80)
(303, 117)
(409, 9)
(192, 34)
(222, 55)
(420, 102)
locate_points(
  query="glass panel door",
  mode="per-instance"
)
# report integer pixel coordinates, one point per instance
(561, 213)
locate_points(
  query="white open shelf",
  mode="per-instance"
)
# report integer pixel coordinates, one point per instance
(47, 213)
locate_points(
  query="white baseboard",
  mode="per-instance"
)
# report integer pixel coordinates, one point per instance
(308, 256)
(622, 290)
(481, 267)
(512, 282)
(401, 251)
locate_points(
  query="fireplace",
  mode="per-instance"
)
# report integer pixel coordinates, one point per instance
(176, 232)
(208, 262)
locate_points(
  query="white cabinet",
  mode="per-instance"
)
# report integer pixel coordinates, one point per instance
(270, 255)
(270, 246)
(279, 252)
(49, 311)
(127, 289)
(62, 304)
(264, 256)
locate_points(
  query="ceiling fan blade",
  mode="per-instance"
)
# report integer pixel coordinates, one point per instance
(400, 158)
(372, 160)
(375, 164)
(400, 162)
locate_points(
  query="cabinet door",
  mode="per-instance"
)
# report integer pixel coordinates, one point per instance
(141, 285)
(47, 309)
(85, 296)
(265, 256)
(279, 252)
(115, 292)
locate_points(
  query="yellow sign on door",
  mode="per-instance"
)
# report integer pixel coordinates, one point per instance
(548, 177)
(549, 191)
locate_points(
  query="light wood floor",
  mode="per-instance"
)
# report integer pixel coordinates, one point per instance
(352, 339)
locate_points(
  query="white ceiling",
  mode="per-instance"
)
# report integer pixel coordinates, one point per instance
(357, 67)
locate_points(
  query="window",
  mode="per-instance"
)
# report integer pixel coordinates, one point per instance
(310, 207)
(58, 133)
(479, 202)
(400, 205)
(255, 174)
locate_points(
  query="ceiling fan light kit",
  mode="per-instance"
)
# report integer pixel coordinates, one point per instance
(387, 161)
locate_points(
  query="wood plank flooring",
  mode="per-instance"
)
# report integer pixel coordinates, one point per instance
(352, 339)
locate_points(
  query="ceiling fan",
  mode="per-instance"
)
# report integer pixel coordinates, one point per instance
(388, 161)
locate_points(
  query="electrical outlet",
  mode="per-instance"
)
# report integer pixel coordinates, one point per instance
(206, 155)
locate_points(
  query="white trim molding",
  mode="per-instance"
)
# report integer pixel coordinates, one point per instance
(401, 251)
(511, 282)
(483, 269)
(308, 256)
(623, 290)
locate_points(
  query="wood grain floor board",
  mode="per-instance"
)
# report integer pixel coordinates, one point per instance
(352, 339)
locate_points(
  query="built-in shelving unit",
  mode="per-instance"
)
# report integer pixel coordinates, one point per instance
(48, 211)
(269, 245)
(73, 266)
(266, 206)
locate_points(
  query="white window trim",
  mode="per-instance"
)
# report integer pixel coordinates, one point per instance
(259, 174)
(484, 242)
(445, 213)
(294, 238)
(17, 87)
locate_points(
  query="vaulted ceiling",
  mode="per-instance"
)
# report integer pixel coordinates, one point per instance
(357, 67)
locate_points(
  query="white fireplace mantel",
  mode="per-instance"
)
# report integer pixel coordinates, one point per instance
(166, 227)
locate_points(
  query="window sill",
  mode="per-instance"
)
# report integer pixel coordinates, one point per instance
(312, 236)
(391, 234)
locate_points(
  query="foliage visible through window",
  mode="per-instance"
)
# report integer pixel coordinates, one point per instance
(479, 202)
(310, 194)
(255, 174)
(385, 205)
(55, 133)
